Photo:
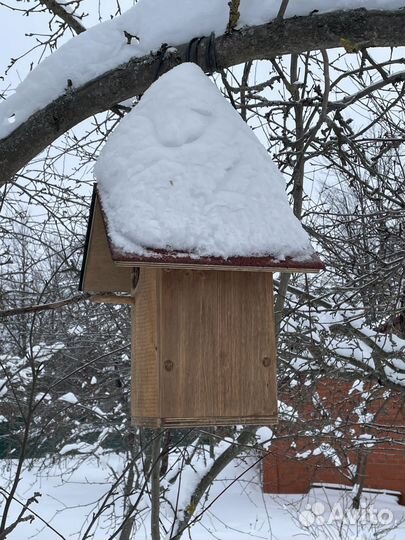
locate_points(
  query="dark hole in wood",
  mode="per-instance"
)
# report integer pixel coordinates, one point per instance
(168, 365)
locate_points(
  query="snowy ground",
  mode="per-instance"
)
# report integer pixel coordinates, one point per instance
(241, 513)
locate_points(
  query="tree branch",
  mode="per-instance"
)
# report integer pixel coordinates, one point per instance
(244, 438)
(295, 35)
(68, 18)
(282, 10)
(155, 486)
(45, 307)
(398, 77)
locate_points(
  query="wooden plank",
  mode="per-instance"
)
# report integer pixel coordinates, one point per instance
(154, 423)
(145, 341)
(169, 258)
(218, 353)
(141, 421)
(101, 274)
(196, 266)
(112, 299)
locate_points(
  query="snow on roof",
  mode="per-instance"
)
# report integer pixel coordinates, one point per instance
(104, 46)
(183, 172)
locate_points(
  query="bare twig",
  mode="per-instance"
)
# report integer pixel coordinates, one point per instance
(68, 18)
(221, 462)
(155, 486)
(25, 507)
(282, 10)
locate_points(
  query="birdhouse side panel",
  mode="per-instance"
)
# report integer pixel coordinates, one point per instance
(100, 274)
(145, 405)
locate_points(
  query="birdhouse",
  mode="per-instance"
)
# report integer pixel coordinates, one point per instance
(190, 220)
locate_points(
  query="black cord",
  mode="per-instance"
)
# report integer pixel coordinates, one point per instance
(161, 54)
(193, 48)
(191, 53)
(210, 50)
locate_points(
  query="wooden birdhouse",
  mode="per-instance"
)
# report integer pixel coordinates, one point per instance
(190, 219)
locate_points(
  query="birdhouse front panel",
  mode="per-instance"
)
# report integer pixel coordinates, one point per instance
(210, 359)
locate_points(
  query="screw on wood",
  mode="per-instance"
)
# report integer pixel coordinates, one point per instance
(168, 365)
(266, 361)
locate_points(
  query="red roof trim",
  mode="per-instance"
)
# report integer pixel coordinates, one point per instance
(170, 257)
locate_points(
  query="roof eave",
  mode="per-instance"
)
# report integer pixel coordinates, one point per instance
(166, 259)
(172, 259)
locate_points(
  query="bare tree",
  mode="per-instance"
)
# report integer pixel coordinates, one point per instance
(330, 111)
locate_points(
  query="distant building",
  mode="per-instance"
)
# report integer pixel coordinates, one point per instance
(345, 433)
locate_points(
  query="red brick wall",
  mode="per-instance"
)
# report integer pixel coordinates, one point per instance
(284, 472)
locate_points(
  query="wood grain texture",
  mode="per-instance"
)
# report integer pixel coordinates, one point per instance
(218, 352)
(295, 268)
(145, 395)
(100, 272)
(204, 349)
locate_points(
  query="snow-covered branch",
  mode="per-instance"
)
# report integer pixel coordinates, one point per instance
(295, 35)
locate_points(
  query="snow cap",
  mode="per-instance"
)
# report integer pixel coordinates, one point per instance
(184, 173)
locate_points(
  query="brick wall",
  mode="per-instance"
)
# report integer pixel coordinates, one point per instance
(290, 469)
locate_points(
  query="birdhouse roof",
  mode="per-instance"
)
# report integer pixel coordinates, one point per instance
(184, 182)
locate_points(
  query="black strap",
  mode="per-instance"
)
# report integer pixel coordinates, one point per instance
(161, 54)
(193, 48)
(211, 51)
